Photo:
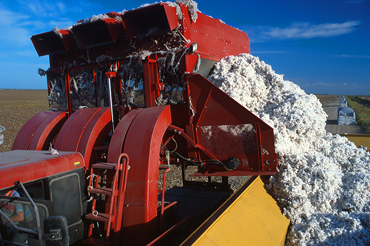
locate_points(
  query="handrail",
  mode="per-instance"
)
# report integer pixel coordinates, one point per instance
(38, 222)
(29, 231)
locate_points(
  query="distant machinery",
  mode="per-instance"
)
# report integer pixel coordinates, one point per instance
(343, 101)
(346, 116)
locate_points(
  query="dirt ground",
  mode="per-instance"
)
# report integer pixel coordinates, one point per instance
(16, 108)
(325, 98)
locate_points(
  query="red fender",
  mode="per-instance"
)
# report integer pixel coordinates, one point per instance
(84, 130)
(143, 138)
(119, 135)
(39, 131)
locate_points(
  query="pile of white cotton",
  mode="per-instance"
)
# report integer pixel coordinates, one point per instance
(323, 183)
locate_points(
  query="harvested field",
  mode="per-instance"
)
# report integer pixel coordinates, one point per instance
(330, 104)
(16, 108)
(326, 98)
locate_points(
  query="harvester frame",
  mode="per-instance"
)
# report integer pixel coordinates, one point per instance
(157, 115)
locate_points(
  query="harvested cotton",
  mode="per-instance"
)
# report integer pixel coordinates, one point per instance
(297, 118)
(192, 7)
(323, 183)
(56, 31)
(97, 18)
(190, 4)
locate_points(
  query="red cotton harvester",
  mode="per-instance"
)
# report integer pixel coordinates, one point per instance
(131, 110)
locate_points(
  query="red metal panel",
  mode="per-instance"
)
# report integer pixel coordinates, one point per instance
(63, 132)
(100, 32)
(214, 108)
(38, 164)
(38, 129)
(47, 131)
(190, 62)
(72, 138)
(142, 145)
(94, 134)
(51, 42)
(192, 151)
(152, 85)
(119, 135)
(85, 129)
(70, 134)
(215, 39)
(171, 16)
(68, 39)
(156, 19)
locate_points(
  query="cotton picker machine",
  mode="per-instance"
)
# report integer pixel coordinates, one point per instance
(131, 110)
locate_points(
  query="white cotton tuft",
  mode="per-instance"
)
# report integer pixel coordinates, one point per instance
(192, 7)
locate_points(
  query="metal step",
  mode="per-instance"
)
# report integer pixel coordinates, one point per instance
(115, 194)
(103, 165)
(103, 190)
(99, 217)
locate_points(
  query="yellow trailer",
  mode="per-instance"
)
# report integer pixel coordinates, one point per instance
(249, 217)
(359, 139)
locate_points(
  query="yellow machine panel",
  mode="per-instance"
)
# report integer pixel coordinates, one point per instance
(359, 139)
(249, 217)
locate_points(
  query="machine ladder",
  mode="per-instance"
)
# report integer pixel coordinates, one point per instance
(114, 195)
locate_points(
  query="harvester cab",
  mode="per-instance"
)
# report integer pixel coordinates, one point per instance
(128, 91)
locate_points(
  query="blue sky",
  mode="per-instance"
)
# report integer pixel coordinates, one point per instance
(321, 45)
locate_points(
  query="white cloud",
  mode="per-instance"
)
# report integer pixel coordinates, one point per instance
(17, 26)
(11, 33)
(43, 8)
(307, 31)
(61, 7)
(352, 56)
(55, 9)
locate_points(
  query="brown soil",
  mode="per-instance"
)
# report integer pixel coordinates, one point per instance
(325, 98)
(16, 108)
